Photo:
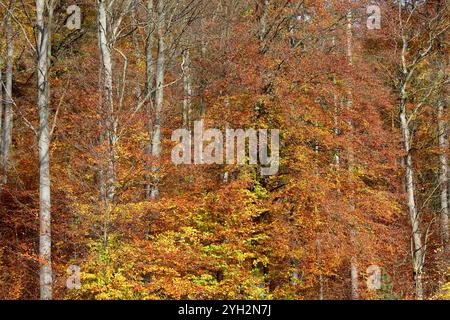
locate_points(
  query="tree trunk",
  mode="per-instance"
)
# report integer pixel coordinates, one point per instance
(443, 176)
(43, 18)
(149, 78)
(159, 98)
(319, 242)
(1, 109)
(107, 96)
(417, 248)
(187, 86)
(353, 259)
(8, 113)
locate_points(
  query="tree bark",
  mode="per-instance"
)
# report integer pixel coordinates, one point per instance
(43, 19)
(187, 87)
(319, 242)
(107, 98)
(8, 113)
(159, 98)
(417, 247)
(443, 176)
(353, 259)
(1, 109)
(149, 79)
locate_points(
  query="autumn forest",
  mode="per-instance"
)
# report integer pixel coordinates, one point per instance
(116, 184)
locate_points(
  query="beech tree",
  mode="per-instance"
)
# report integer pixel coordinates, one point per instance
(409, 65)
(358, 208)
(7, 111)
(44, 16)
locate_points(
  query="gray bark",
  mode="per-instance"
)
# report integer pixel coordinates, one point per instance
(8, 113)
(187, 86)
(149, 78)
(159, 97)
(319, 244)
(107, 96)
(149, 49)
(43, 18)
(443, 176)
(417, 247)
(353, 260)
(1, 107)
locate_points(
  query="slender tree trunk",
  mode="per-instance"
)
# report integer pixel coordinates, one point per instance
(443, 177)
(187, 87)
(227, 105)
(417, 247)
(43, 18)
(1, 109)
(108, 170)
(149, 62)
(202, 80)
(354, 271)
(443, 158)
(107, 96)
(149, 79)
(353, 259)
(8, 113)
(319, 242)
(159, 97)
